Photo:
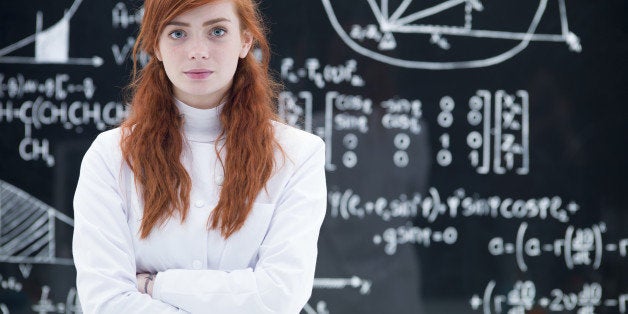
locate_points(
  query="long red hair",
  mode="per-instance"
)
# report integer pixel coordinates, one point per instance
(152, 142)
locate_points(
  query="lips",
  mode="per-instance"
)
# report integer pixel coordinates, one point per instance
(198, 74)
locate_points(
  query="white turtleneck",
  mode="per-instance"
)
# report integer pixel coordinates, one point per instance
(265, 267)
(201, 125)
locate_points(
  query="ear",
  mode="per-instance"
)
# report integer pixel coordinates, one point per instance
(247, 42)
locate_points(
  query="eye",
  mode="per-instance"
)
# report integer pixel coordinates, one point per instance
(177, 34)
(218, 32)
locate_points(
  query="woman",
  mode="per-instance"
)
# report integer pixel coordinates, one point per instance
(200, 202)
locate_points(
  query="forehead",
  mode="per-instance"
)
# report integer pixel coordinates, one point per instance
(213, 10)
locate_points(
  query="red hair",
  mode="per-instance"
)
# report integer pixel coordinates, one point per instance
(152, 142)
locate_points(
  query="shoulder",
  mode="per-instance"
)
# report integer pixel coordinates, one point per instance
(297, 143)
(289, 135)
(107, 142)
(105, 148)
(109, 137)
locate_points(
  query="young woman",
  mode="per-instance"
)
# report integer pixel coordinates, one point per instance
(200, 202)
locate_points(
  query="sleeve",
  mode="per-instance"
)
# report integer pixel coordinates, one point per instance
(284, 274)
(102, 242)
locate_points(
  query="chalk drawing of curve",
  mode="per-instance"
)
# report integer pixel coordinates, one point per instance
(52, 45)
(27, 228)
(389, 24)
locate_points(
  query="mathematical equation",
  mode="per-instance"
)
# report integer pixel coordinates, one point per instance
(579, 246)
(391, 238)
(510, 131)
(44, 305)
(347, 204)
(9, 284)
(58, 87)
(321, 75)
(497, 140)
(121, 17)
(121, 20)
(363, 286)
(523, 297)
(321, 308)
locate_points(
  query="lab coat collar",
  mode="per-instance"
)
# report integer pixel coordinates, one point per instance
(200, 125)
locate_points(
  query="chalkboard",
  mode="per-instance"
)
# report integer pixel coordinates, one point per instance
(476, 150)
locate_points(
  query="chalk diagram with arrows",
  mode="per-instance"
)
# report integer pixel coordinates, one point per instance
(451, 34)
(52, 44)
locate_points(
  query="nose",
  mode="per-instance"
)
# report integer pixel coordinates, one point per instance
(198, 50)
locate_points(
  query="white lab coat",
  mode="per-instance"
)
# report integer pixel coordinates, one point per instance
(265, 267)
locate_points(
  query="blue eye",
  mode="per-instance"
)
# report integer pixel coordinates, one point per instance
(177, 34)
(218, 32)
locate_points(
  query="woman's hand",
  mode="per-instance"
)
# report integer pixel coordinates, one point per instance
(145, 283)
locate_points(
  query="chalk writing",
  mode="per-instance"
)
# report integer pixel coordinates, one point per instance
(347, 204)
(321, 308)
(52, 45)
(578, 247)
(320, 74)
(45, 305)
(379, 37)
(523, 297)
(509, 132)
(362, 285)
(122, 18)
(391, 238)
(10, 283)
(58, 87)
(47, 103)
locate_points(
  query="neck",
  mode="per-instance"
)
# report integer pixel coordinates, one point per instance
(203, 101)
(200, 125)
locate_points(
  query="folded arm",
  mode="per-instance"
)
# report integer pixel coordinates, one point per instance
(102, 242)
(282, 279)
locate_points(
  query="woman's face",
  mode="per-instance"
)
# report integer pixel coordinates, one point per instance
(200, 50)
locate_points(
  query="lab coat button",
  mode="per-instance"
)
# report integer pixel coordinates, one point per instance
(199, 203)
(196, 264)
(219, 179)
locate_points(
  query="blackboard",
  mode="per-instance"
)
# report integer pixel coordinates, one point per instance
(476, 150)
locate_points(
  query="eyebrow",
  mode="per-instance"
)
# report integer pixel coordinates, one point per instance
(208, 22)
